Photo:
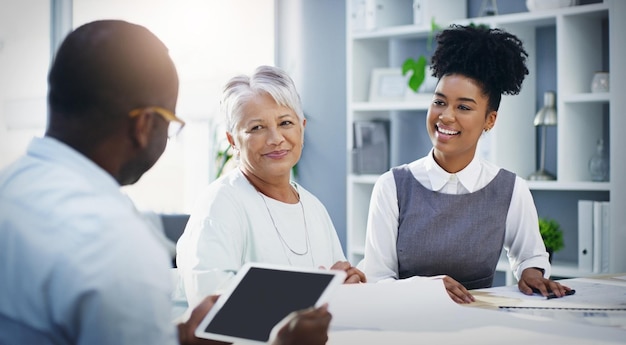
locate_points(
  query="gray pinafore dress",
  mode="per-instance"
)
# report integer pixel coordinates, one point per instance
(457, 235)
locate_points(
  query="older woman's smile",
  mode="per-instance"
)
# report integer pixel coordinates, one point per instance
(277, 154)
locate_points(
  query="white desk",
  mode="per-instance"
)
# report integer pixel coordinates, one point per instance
(420, 311)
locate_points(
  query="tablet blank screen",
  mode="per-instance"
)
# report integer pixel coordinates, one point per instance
(263, 298)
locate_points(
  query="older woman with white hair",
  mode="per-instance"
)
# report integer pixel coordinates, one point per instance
(256, 213)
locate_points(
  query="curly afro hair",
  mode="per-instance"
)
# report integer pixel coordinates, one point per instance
(493, 57)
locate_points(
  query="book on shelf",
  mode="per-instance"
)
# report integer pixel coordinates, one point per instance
(593, 236)
(370, 152)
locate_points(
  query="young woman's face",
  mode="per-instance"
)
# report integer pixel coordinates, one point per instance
(268, 137)
(457, 117)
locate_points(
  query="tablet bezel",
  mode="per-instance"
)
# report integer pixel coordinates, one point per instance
(338, 277)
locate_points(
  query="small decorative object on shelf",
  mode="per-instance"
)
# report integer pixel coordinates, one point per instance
(599, 164)
(489, 8)
(387, 85)
(600, 82)
(546, 116)
(551, 234)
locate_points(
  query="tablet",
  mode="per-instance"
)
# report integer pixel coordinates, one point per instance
(262, 295)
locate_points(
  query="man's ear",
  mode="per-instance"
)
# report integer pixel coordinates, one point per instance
(141, 128)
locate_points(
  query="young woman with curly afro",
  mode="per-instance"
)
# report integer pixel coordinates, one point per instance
(449, 214)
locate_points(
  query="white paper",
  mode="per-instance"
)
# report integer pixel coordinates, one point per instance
(407, 302)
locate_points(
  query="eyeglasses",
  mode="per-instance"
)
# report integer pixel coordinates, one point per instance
(175, 123)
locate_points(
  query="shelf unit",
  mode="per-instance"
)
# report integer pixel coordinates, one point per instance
(582, 115)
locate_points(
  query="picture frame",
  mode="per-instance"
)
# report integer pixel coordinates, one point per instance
(387, 84)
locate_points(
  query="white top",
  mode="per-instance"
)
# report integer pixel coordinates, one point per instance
(231, 224)
(522, 240)
(78, 265)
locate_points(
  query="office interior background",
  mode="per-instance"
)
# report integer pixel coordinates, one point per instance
(210, 41)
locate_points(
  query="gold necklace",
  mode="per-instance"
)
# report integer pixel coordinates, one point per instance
(280, 236)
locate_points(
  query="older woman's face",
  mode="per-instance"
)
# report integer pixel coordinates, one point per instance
(268, 137)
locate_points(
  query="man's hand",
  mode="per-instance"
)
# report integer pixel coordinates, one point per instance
(457, 291)
(353, 274)
(306, 327)
(186, 330)
(532, 280)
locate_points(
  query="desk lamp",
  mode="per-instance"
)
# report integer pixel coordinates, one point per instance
(546, 116)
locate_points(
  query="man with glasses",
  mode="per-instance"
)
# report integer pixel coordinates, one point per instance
(78, 265)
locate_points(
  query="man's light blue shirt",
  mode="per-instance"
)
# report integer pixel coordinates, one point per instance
(78, 265)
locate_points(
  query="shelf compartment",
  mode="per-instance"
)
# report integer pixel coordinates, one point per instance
(570, 186)
(603, 97)
(421, 104)
(580, 126)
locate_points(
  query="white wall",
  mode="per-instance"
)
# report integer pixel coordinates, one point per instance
(311, 47)
(24, 58)
(209, 40)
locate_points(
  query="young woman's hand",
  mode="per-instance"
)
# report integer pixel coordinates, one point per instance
(457, 291)
(532, 281)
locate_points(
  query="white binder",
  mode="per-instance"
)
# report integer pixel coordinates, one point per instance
(585, 235)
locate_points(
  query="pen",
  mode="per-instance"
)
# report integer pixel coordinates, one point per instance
(551, 295)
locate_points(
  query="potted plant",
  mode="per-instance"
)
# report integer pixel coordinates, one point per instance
(419, 67)
(551, 234)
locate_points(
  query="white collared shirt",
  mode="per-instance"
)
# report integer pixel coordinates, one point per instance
(522, 240)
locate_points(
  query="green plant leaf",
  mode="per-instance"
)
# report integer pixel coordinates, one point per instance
(418, 69)
(223, 157)
(434, 28)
